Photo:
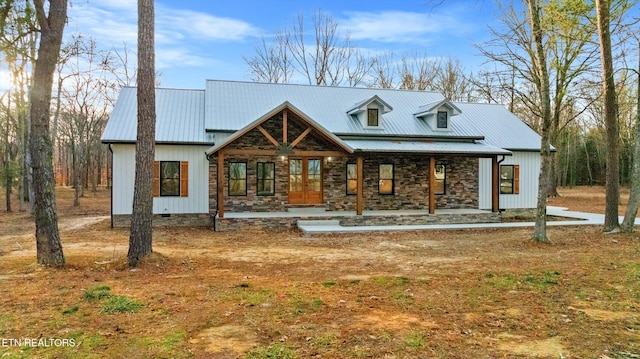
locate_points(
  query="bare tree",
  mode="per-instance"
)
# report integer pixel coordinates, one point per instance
(540, 77)
(452, 82)
(18, 39)
(140, 238)
(49, 249)
(611, 222)
(271, 62)
(330, 60)
(417, 72)
(634, 196)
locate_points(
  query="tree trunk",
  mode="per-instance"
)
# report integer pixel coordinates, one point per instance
(49, 249)
(76, 176)
(140, 238)
(611, 118)
(8, 170)
(542, 84)
(634, 196)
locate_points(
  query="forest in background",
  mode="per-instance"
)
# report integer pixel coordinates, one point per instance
(314, 51)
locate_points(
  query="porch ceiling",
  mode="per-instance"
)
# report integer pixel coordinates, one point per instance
(466, 148)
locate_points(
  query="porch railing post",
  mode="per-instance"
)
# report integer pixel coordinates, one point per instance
(432, 185)
(495, 185)
(360, 194)
(220, 178)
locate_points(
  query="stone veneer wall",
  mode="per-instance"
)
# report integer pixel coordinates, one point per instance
(411, 184)
(290, 223)
(177, 220)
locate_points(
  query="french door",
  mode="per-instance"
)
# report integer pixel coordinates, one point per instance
(305, 180)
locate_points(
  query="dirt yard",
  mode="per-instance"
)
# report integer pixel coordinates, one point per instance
(431, 294)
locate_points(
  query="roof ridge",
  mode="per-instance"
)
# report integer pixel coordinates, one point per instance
(324, 86)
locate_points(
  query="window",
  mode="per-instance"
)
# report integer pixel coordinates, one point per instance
(442, 119)
(372, 117)
(237, 178)
(170, 178)
(266, 179)
(510, 179)
(440, 179)
(352, 178)
(385, 183)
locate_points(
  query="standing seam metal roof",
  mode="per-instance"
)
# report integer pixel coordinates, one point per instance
(179, 117)
(224, 107)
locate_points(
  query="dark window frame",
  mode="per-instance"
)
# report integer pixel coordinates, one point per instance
(264, 180)
(229, 179)
(392, 179)
(444, 180)
(351, 179)
(375, 114)
(444, 118)
(507, 179)
(161, 178)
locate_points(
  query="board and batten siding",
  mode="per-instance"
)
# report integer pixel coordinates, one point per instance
(124, 178)
(529, 172)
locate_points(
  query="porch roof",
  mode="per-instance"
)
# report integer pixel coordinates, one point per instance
(464, 148)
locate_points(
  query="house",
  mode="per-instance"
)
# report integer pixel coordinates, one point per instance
(242, 154)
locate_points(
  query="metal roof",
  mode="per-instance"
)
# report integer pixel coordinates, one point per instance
(224, 107)
(232, 105)
(500, 127)
(466, 148)
(266, 116)
(179, 117)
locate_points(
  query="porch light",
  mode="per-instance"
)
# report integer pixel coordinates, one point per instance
(283, 158)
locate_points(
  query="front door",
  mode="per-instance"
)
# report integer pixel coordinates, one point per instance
(305, 180)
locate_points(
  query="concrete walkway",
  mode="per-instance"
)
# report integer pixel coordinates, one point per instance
(333, 226)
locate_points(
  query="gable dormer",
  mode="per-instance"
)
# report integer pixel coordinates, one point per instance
(438, 115)
(369, 112)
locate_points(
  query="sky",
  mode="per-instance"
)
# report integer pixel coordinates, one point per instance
(207, 39)
(198, 40)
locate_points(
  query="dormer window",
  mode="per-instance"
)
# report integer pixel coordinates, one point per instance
(370, 113)
(372, 117)
(442, 119)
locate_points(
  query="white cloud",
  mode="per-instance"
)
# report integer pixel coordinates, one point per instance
(399, 26)
(202, 26)
(180, 34)
(170, 57)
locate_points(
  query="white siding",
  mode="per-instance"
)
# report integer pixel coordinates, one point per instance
(124, 176)
(529, 172)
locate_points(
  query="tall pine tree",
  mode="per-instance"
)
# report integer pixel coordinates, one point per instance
(140, 238)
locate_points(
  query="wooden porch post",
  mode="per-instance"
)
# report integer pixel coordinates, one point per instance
(220, 185)
(495, 185)
(432, 184)
(360, 194)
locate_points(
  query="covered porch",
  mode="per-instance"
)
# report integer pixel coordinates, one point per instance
(296, 218)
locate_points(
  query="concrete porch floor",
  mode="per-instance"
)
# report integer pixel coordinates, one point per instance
(577, 218)
(320, 213)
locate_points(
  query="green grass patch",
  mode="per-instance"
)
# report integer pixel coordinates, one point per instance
(120, 304)
(403, 297)
(275, 351)
(329, 284)
(538, 281)
(70, 310)
(96, 293)
(325, 339)
(248, 296)
(384, 281)
(415, 340)
(317, 303)
(171, 340)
